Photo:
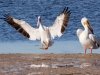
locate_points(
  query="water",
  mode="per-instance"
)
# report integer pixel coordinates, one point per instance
(65, 47)
(29, 10)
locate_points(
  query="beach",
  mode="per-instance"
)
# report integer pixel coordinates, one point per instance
(49, 64)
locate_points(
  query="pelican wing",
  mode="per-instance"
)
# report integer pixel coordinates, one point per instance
(79, 31)
(23, 27)
(95, 38)
(60, 24)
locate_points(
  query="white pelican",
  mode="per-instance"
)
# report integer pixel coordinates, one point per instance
(46, 34)
(87, 39)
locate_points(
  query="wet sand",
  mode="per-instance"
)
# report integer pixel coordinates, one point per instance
(49, 64)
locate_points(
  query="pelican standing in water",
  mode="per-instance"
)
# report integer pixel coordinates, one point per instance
(88, 40)
(43, 33)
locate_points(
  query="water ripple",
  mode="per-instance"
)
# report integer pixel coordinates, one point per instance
(29, 10)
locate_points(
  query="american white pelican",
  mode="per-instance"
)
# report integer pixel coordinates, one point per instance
(46, 34)
(87, 39)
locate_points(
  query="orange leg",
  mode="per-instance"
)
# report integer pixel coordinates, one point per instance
(46, 48)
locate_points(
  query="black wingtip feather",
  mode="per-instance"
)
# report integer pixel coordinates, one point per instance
(6, 17)
(65, 10)
(66, 13)
(69, 12)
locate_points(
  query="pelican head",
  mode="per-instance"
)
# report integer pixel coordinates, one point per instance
(85, 22)
(39, 20)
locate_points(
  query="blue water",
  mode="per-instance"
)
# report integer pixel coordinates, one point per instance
(66, 47)
(29, 10)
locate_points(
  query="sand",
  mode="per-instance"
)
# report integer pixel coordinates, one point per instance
(49, 64)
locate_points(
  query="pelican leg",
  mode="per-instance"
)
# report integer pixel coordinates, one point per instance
(46, 46)
(84, 50)
(91, 50)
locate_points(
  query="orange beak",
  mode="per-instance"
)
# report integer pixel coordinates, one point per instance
(88, 25)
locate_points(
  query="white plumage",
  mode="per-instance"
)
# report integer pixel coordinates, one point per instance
(88, 40)
(46, 34)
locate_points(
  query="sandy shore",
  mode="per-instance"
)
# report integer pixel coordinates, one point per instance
(49, 64)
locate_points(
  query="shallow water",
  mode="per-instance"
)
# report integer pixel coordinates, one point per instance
(34, 47)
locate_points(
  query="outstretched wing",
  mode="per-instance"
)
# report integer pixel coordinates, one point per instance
(23, 27)
(60, 24)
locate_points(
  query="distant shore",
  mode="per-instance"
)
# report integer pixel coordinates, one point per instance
(50, 64)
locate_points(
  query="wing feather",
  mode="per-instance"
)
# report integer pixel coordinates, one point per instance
(23, 27)
(95, 38)
(79, 31)
(60, 24)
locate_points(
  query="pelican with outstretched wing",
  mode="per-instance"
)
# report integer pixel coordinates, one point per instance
(43, 33)
(88, 40)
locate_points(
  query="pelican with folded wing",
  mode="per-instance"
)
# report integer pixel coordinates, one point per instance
(43, 33)
(88, 40)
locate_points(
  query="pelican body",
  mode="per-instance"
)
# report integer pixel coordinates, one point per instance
(45, 35)
(88, 40)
